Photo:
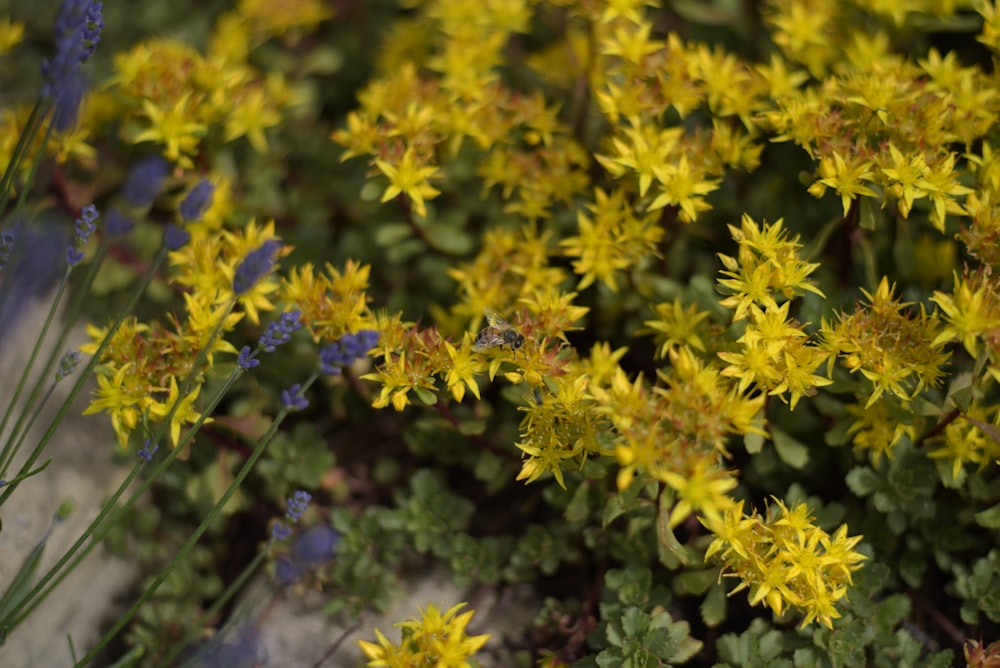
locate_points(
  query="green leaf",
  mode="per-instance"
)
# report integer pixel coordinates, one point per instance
(390, 234)
(754, 443)
(630, 585)
(635, 622)
(372, 191)
(838, 435)
(869, 213)
(131, 658)
(492, 470)
(405, 251)
(990, 518)
(696, 581)
(623, 503)
(792, 452)
(709, 13)
(912, 566)
(472, 427)
(578, 509)
(713, 606)
(450, 239)
(863, 481)
(667, 542)
(610, 659)
(988, 429)
(892, 610)
(425, 395)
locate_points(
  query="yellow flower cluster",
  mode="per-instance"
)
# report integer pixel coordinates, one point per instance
(409, 123)
(670, 431)
(168, 93)
(786, 560)
(775, 356)
(333, 303)
(896, 348)
(884, 127)
(143, 367)
(435, 640)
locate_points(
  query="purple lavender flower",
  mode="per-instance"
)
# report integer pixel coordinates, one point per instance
(312, 548)
(84, 228)
(315, 545)
(292, 398)
(175, 237)
(346, 350)
(280, 531)
(280, 331)
(77, 32)
(145, 180)
(297, 505)
(118, 222)
(67, 102)
(8, 241)
(197, 201)
(257, 264)
(148, 450)
(68, 364)
(244, 649)
(245, 361)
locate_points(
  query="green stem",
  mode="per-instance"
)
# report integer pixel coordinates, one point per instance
(83, 375)
(13, 443)
(39, 447)
(96, 531)
(38, 113)
(193, 538)
(211, 612)
(53, 358)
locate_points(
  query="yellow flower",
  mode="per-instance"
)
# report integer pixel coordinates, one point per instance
(767, 265)
(206, 320)
(174, 128)
(183, 414)
(846, 180)
(398, 378)
(409, 177)
(11, 33)
(631, 42)
(775, 356)
(250, 116)
(683, 185)
(971, 311)
(464, 367)
(435, 639)
(896, 348)
(784, 559)
(122, 396)
(907, 178)
(878, 429)
(703, 490)
(610, 240)
(964, 442)
(278, 18)
(334, 303)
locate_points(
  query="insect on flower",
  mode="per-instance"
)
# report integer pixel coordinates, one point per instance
(497, 333)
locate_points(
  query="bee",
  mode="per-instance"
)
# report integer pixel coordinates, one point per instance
(497, 333)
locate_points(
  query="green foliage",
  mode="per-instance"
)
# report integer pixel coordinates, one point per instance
(640, 640)
(369, 556)
(639, 632)
(295, 461)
